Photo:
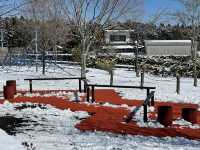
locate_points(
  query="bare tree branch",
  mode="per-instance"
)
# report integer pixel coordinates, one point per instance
(88, 16)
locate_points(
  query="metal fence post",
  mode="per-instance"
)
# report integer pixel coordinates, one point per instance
(85, 85)
(93, 99)
(76, 96)
(148, 91)
(152, 100)
(178, 84)
(145, 113)
(142, 79)
(88, 94)
(80, 85)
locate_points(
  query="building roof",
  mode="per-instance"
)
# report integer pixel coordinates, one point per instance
(167, 42)
(118, 27)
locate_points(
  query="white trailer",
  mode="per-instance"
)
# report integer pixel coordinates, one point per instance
(168, 47)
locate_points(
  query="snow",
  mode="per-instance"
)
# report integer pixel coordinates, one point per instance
(20, 73)
(110, 105)
(125, 55)
(117, 106)
(184, 123)
(165, 86)
(55, 128)
(8, 142)
(52, 127)
(167, 41)
(138, 117)
(119, 46)
(62, 94)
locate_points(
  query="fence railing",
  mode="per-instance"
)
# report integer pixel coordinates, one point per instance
(92, 86)
(149, 101)
(46, 79)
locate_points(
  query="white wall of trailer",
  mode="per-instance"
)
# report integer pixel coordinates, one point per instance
(168, 47)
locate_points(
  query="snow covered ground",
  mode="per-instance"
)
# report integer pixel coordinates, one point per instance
(9, 143)
(165, 87)
(55, 128)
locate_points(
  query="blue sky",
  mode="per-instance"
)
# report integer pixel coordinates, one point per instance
(152, 6)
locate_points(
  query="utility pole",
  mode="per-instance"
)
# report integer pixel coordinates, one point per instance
(43, 62)
(36, 49)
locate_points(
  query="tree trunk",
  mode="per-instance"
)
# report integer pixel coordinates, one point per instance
(83, 65)
(136, 61)
(194, 62)
(83, 70)
(36, 49)
(84, 53)
(83, 61)
(43, 62)
(195, 73)
(85, 50)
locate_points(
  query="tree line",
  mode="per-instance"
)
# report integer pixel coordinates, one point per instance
(19, 32)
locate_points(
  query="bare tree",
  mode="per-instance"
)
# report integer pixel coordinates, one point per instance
(48, 23)
(160, 15)
(190, 15)
(90, 16)
(11, 7)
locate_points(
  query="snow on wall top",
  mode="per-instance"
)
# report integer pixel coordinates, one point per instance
(167, 42)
